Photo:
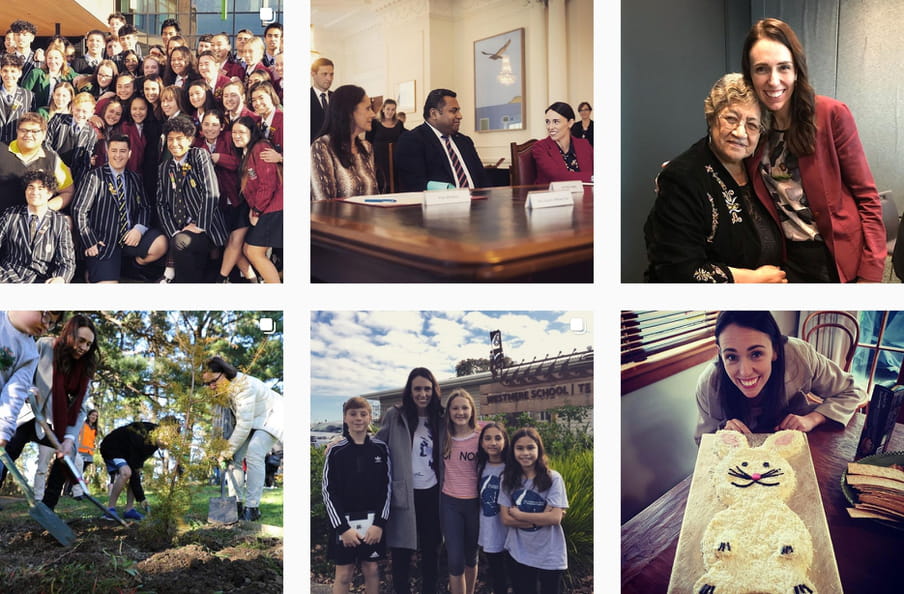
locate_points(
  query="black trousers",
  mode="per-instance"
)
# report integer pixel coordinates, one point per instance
(25, 434)
(525, 579)
(429, 537)
(190, 252)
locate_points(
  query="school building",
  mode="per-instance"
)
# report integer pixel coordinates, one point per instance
(533, 387)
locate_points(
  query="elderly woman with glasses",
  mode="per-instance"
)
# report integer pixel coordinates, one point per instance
(706, 224)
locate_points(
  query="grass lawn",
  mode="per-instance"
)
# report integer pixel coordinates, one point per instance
(271, 505)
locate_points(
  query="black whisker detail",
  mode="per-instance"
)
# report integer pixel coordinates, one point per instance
(736, 471)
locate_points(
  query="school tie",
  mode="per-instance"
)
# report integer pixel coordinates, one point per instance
(32, 227)
(121, 206)
(323, 101)
(456, 164)
(180, 212)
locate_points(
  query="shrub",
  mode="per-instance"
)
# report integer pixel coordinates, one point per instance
(576, 469)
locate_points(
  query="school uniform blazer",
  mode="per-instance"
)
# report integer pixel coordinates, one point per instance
(401, 529)
(842, 194)
(73, 147)
(275, 132)
(96, 209)
(231, 69)
(317, 113)
(263, 182)
(420, 157)
(551, 167)
(256, 407)
(199, 191)
(10, 114)
(226, 168)
(44, 383)
(38, 82)
(51, 254)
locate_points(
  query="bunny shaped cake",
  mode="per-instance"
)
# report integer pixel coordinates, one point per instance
(756, 544)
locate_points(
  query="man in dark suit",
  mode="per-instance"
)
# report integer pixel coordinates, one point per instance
(436, 151)
(321, 79)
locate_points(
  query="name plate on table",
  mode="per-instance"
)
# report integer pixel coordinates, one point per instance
(575, 186)
(455, 196)
(548, 199)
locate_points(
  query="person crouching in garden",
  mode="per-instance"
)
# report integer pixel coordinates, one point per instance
(258, 414)
(125, 451)
(356, 492)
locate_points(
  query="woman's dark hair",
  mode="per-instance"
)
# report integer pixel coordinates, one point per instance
(513, 475)
(434, 408)
(482, 457)
(395, 116)
(191, 69)
(127, 53)
(209, 101)
(66, 341)
(338, 122)
(256, 136)
(801, 135)
(127, 109)
(219, 365)
(734, 404)
(563, 109)
(88, 416)
(582, 104)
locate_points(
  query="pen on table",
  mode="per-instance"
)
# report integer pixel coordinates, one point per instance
(380, 200)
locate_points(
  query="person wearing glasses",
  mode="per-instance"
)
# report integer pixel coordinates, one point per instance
(27, 153)
(584, 127)
(706, 224)
(258, 414)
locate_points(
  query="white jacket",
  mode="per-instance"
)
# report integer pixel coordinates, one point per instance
(256, 407)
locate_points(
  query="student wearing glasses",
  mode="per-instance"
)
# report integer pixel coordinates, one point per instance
(258, 414)
(27, 153)
(706, 224)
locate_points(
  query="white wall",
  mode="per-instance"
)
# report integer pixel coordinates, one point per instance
(432, 43)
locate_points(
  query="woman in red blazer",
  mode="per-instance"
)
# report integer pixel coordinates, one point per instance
(810, 170)
(560, 156)
(262, 187)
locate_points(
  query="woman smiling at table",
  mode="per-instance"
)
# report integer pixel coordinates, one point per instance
(560, 156)
(761, 380)
(342, 164)
(706, 226)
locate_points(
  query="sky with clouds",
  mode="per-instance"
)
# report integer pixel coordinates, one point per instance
(358, 352)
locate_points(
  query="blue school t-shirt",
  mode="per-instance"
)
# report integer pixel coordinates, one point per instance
(542, 547)
(492, 531)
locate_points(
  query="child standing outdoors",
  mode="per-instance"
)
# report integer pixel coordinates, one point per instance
(494, 449)
(532, 502)
(356, 492)
(459, 503)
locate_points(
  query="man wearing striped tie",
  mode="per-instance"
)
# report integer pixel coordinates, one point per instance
(112, 216)
(436, 151)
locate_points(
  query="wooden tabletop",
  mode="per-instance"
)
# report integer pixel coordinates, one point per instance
(868, 554)
(494, 239)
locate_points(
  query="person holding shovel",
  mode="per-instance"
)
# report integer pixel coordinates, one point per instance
(258, 414)
(65, 368)
(125, 451)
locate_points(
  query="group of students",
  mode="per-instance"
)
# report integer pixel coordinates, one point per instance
(168, 165)
(61, 370)
(429, 476)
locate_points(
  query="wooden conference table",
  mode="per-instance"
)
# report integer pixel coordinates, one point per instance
(494, 239)
(868, 554)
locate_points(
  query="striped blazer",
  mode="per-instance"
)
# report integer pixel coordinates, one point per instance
(198, 188)
(96, 209)
(10, 114)
(73, 147)
(51, 254)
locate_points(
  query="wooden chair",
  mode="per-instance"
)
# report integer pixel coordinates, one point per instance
(834, 334)
(522, 172)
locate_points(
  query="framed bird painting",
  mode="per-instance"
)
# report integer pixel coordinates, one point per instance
(499, 82)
